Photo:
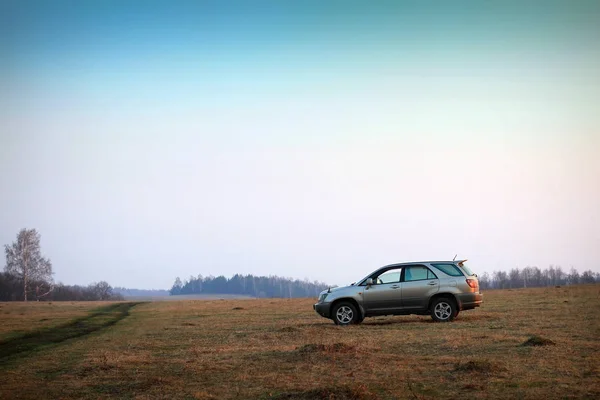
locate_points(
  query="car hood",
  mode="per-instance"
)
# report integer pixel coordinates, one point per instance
(335, 289)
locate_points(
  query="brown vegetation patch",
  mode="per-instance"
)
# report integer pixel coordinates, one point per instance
(590, 372)
(538, 341)
(326, 348)
(107, 360)
(479, 366)
(397, 320)
(204, 395)
(472, 386)
(358, 392)
(289, 329)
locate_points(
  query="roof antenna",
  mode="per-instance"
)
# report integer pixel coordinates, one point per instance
(454, 257)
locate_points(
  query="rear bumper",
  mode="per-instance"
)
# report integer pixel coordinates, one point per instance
(469, 301)
(323, 309)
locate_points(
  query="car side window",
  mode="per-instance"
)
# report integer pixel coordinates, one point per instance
(449, 269)
(418, 273)
(390, 276)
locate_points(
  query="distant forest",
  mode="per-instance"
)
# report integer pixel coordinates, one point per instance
(536, 277)
(250, 285)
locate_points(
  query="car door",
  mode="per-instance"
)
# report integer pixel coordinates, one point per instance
(419, 283)
(385, 295)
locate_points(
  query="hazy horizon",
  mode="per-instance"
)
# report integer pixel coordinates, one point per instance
(319, 140)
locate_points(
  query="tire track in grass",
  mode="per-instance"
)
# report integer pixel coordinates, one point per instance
(98, 319)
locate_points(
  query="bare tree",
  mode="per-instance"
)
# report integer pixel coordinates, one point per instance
(102, 290)
(573, 277)
(561, 276)
(587, 277)
(484, 281)
(24, 261)
(536, 276)
(514, 278)
(500, 279)
(526, 274)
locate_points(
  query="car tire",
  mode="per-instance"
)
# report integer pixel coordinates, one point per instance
(443, 309)
(345, 313)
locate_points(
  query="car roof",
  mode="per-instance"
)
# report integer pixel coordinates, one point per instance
(424, 262)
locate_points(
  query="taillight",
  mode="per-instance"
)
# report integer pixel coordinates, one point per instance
(472, 283)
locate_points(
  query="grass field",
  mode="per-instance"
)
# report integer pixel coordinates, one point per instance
(19, 317)
(276, 348)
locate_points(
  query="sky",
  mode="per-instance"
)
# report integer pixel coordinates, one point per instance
(305, 139)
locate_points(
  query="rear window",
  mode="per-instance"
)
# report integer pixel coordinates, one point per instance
(466, 269)
(449, 269)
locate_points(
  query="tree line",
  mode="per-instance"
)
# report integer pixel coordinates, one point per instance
(11, 289)
(248, 285)
(28, 276)
(536, 277)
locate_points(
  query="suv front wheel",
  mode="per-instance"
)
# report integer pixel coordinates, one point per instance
(345, 313)
(443, 310)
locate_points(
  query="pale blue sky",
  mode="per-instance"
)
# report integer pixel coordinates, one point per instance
(307, 139)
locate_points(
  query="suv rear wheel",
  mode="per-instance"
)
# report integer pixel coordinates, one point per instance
(345, 313)
(443, 310)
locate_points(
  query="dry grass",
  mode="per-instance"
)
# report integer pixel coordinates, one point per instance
(275, 348)
(98, 319)
(536, 340)
(19, 317)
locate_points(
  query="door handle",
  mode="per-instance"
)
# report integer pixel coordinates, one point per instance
(395, 287)
(432, 283)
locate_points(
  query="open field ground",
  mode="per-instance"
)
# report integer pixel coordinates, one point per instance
(276, 348)
(18, 318)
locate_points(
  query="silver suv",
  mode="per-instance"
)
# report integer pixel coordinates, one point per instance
(438, 288)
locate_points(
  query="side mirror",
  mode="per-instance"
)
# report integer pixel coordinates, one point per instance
(369, 282)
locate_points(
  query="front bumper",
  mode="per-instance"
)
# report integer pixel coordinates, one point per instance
(469, 301)
(323, 309)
